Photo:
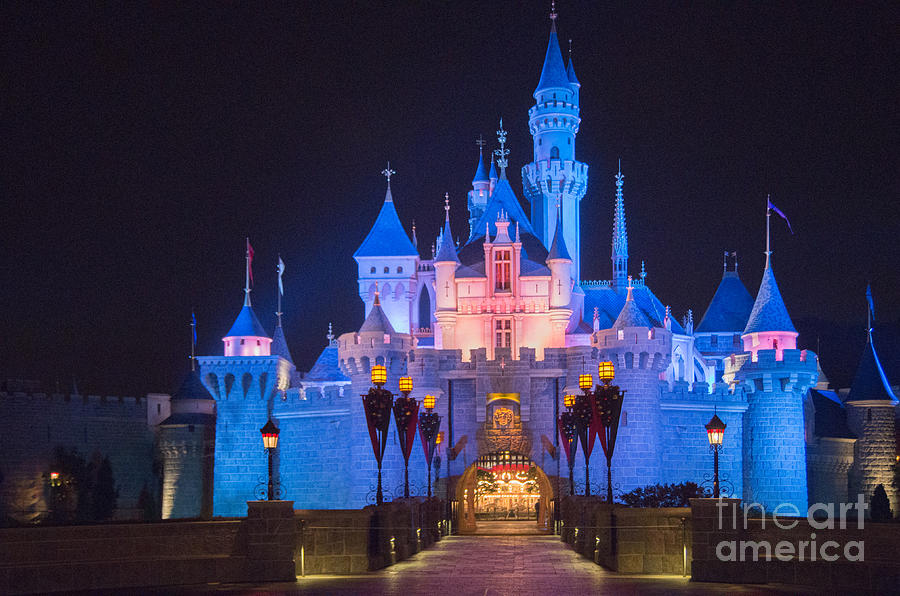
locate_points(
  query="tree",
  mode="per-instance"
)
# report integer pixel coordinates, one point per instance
(664, 495)
(881, 506)
(104, 492)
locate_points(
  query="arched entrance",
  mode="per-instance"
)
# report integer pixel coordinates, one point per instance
(504, 486)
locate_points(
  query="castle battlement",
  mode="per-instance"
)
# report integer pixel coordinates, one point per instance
(795, 370)
(74, 400)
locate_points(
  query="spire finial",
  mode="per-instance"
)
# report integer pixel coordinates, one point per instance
(620, 234)
(768, 218)
(629, 297)
(447, 206)
(377, 301)
(553, 16)
(502, 152)
(480, 142)
(248, 274)
(570, 49)
(643, 270)
(330, 336)
(414, 239)
(388, 172)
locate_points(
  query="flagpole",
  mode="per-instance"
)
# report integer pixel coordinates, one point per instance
(193, 341)
(247, 275)
(278, 281)
(768, 218)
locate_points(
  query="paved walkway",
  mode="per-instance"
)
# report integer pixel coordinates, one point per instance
(490, 566)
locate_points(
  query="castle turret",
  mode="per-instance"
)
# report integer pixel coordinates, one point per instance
(640, 353)
(871, 409)
(560, 264)
(445, 264)
(776, 378)
(554, 174)
(388, 257)
(186, 443)
(481, 190)
(247, 337)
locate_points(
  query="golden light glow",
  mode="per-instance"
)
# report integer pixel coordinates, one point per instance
(269, 435)
(379, 375)
(429, 401)
(715, 431)
(569, 401)
(606, 371)
(439, 438)
(406, 385)
(585, 381)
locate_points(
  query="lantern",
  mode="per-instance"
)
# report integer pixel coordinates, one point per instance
(439, 438)
(269, 435)
(406, 384)
(379, 375)
(429, 402)
(606, 371)
(715, 431)
(585, 382)
(569, 401)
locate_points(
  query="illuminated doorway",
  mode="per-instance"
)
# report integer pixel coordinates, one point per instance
(504, 486)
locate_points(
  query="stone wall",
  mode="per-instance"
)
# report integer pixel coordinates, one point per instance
(878, 569)
(629, 540)
(353, 541)
(32, 425)
(108, 556)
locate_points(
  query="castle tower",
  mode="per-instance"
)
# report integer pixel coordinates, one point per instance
(186, 442)
(640, 353)
(619, 254)
(560, 264)
(871, 407)
(776, 377)
(481, 190)
(554, 174)
(387, 257)
(445, 264)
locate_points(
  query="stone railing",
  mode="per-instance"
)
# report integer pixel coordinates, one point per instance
(350, 541)
(629, 539)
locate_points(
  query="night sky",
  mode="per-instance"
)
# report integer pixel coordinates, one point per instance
(142, 144)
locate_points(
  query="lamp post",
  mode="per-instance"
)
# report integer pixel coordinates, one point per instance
(429, 423)
(607, 403)
(569, 436)
(406, 413)
(377, 404)
(715, 432)
(584, 423)
(269, 434)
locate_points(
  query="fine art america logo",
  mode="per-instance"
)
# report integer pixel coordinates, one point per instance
(785, 517)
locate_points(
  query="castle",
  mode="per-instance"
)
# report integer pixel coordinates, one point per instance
(498, 329)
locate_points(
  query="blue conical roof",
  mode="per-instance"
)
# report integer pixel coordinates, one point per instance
(553, 74)
(493, 175)
(387, 238)
(377, 321)
(192, 388)
(246, 325)
(730, 307)
(279, 345)
(870, 381)
(327, 367)
(480, 174)
(769, 312)
(503, 198)
(447, 251)
(558, 246)
(631, 315)
(570, 74)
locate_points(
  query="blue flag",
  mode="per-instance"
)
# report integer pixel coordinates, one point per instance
(770, 205)
(194, 325)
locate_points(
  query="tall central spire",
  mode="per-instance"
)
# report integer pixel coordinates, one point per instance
(620, 235)
(502, 152)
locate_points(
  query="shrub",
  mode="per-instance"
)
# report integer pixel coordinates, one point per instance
(664, 495)
(881, 506)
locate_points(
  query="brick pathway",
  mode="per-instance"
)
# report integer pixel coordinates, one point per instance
(491, 565)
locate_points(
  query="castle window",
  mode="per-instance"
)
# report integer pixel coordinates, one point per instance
(503, 333)
(540, 142)
(399, 269)
(387, 269)
(554, 153)
(569, 140)
(259, 343)
(242, 342)
(775, 344)
(372, 270)
(502, 263)
(621, 334)
(554, 96)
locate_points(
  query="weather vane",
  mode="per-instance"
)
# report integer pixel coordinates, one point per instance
(447, 204)
(388, 172)
(502, 152)
(480, 142)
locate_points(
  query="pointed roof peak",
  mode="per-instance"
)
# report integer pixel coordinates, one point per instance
(377, 321)
(558, 248)
(769, 312)
(553, 73)
(730, 307)
(387, 173)
(870, 382)
(480, 173)
(493, 175)
(192, 388)
(387, 238)
(247, 325)
(553, 16)
(502, 199)
(570, 69)
(446, 251)
(279, 345)
(631, 315)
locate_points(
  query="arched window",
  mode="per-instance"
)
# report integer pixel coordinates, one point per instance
(424, 308)
(399, 269)
(554, 153)
(387, 269)
(372, 270)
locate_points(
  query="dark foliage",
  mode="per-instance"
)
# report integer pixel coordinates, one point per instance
(881, 506)
(664, 495)
(104, 494)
